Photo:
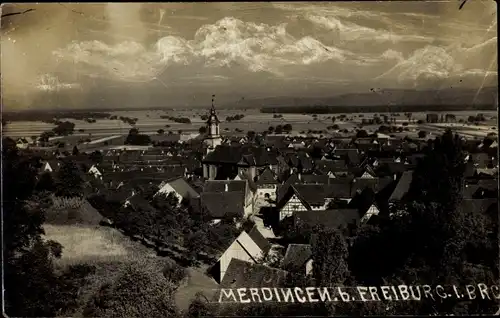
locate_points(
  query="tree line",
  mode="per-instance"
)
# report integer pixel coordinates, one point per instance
(320, 109)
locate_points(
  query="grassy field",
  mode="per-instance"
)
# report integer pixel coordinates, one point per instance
(109, 251)
(150, 121)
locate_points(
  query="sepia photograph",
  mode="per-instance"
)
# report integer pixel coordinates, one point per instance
(250, 159)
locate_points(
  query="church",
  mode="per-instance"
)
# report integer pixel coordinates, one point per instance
(222, 162)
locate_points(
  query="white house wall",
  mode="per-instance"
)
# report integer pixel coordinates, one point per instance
(371, 211)
(292, 206)
(237, 251)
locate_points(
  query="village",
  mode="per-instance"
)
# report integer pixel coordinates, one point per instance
(232, 205)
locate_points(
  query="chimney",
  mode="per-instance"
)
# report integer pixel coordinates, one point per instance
(226, 187)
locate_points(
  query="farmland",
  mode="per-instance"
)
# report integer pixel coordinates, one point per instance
(149, 122)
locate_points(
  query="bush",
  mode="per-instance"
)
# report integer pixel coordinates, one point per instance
(175, 273)
(422, 134)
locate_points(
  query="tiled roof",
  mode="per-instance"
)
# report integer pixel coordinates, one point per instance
(296, 256)
(223, 204)
(330, 219)
(314, 179)
(249, 275)
(183, 188)
(234, 154)
(402, 186)
(266, 177)
(220, 185)
(363, 201)
(259, 239)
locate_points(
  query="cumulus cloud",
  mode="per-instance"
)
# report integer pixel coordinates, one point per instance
(438, 63)
(228, 42)
(348, 31)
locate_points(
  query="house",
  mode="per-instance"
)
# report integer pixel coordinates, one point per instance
(94, 171)
(243, 248)
(228, 161)
(298, 258)
(483, 189)
(402, 188)
(242, 186)
(314, 179)
(248, 274)
(24, 143)
(51, 166)
(180, 188)
(311, 197)
(223, 205)
(329, 219)
(266, 184)
(258, 238)
(366, 204)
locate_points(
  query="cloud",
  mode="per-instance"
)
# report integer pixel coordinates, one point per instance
(439, 63)
(348, 31)
(51, 83)
(228, 42)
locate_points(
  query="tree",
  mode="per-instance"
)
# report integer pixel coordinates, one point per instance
(140, 290)
(251, 134)
(135, 138)
(287, 128)
(69, 180)
(46, 183)
(64, 128)
(96, 157)
(422, 134)
(431, 240)
(270, 129)
(329, 253)
(361, 134)
(75, 151)
(279, 129)
(32, 286)
(202, 130)
(161, 131)
(200, 307)
(333, 119)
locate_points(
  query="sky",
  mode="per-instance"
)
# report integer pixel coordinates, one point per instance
(118, 55)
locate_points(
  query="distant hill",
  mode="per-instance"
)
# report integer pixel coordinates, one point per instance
(383, 97)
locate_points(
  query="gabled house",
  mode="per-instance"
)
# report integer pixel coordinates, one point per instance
(266, 184)
(223, 205)
(95, 172)
(24, 143)
(311, 197)
(298, 258)
(181, 189)
(338, 219)
(402, 188)
(241, 186)
(368, 173)
(248, 274)
(243, 248)
(51, 166)
(366, 204)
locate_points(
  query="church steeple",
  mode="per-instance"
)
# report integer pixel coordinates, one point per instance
(213, 139)
(212, 117)
(213, 122)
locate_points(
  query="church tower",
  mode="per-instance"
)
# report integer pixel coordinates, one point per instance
(213, 138)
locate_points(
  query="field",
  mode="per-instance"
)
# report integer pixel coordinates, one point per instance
(109, 251)
(149, 122)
